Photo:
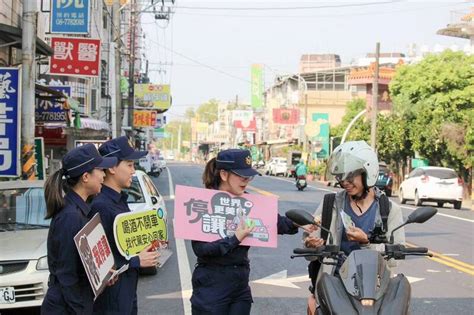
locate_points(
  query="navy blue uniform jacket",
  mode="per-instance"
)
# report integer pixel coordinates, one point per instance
(120, 298)
(69, 289)
(221, 276)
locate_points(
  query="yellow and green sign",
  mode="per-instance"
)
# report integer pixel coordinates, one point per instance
(257, 86)
(136, 230)
(152, 96)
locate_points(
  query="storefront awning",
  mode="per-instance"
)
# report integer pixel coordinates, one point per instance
(86, 123)
(11, 36)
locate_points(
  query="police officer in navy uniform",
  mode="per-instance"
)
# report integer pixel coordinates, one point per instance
(120, 298)
(82, 176)
(221, 276)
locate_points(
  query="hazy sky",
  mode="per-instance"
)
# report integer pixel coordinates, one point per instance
(211, 50)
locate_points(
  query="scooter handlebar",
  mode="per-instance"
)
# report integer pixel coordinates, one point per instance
(314, 251)
(417, 250)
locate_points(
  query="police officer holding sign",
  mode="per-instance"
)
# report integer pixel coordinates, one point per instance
(122, 297)
(81, 176)
(221, 277)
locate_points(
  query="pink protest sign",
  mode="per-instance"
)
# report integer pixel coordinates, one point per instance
(209, 215)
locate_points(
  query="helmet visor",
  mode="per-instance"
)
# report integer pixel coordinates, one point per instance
(344, 166)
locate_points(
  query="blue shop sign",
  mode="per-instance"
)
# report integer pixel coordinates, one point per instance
(50, 110)
(10, 123)
(70, 16)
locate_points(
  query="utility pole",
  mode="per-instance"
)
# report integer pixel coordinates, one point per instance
(118, 110)
(305, 137)
(131, 68)
(28, 75)
(375, 96)
(178, 146)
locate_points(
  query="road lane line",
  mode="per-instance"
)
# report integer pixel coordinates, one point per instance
(442, 261)
(441, 214)
(262, 192)
(184, 275)
(448, 261)
(440, 258)
(405, 207)
(170, 182)
(183, 262)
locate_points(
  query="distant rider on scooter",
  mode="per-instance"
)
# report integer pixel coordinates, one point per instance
(300, 175)
(355, 166)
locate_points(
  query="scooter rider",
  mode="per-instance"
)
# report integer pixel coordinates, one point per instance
(355, 166)
(301, 170)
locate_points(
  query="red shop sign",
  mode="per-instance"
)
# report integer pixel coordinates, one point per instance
(75, 56)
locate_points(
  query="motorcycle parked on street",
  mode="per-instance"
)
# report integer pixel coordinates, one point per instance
(364, 284)
(301, 182)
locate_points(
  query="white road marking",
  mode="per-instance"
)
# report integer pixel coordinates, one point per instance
(281, 279)
(433, 271)
(184, 275)
(441, 214)
(406, 207)
(293, 182)
(170, 181)
(414, 279)
(183, 262)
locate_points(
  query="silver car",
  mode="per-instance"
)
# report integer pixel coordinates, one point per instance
(23, 234)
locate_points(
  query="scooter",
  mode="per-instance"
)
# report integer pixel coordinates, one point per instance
(364, 285)
(301, 182)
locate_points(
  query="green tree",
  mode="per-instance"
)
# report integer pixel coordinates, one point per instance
(207, 112)
(436, 98)
(360, 130)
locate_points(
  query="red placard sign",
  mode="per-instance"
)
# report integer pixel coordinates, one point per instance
(75, 56)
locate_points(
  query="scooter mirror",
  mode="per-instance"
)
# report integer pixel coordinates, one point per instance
(421, 215)
(300, 217)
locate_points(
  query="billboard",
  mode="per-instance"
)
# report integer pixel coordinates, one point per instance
(257, 86)
(75, 56)
(286, 116)
(144, 118)
(246, 125)
(70, 17)
(10, 115)
(52, 111)
(152, 96)
(320, 137)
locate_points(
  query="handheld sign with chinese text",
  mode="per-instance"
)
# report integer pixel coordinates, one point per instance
(95, 253)
(136, 230)
(209, 215)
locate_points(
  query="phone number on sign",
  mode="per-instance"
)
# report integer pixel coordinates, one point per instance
(48, 116)
(69, 21)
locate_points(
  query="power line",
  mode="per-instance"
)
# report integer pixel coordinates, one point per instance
(362, 4)
(203, 64)
(312, 16)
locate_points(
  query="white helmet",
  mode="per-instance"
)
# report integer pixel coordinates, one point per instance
(352, 158)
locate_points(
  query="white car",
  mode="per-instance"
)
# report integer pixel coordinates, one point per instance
(143, 196)
(276, 166)
(429, 183)
(23, 254)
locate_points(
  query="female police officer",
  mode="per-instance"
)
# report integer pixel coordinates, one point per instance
(221, 277)
(82, 168)
(122, 297)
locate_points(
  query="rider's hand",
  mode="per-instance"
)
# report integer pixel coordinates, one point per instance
(313, 242)
(147, 258)
(355, 234)
(310, 228)
(243, 230)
